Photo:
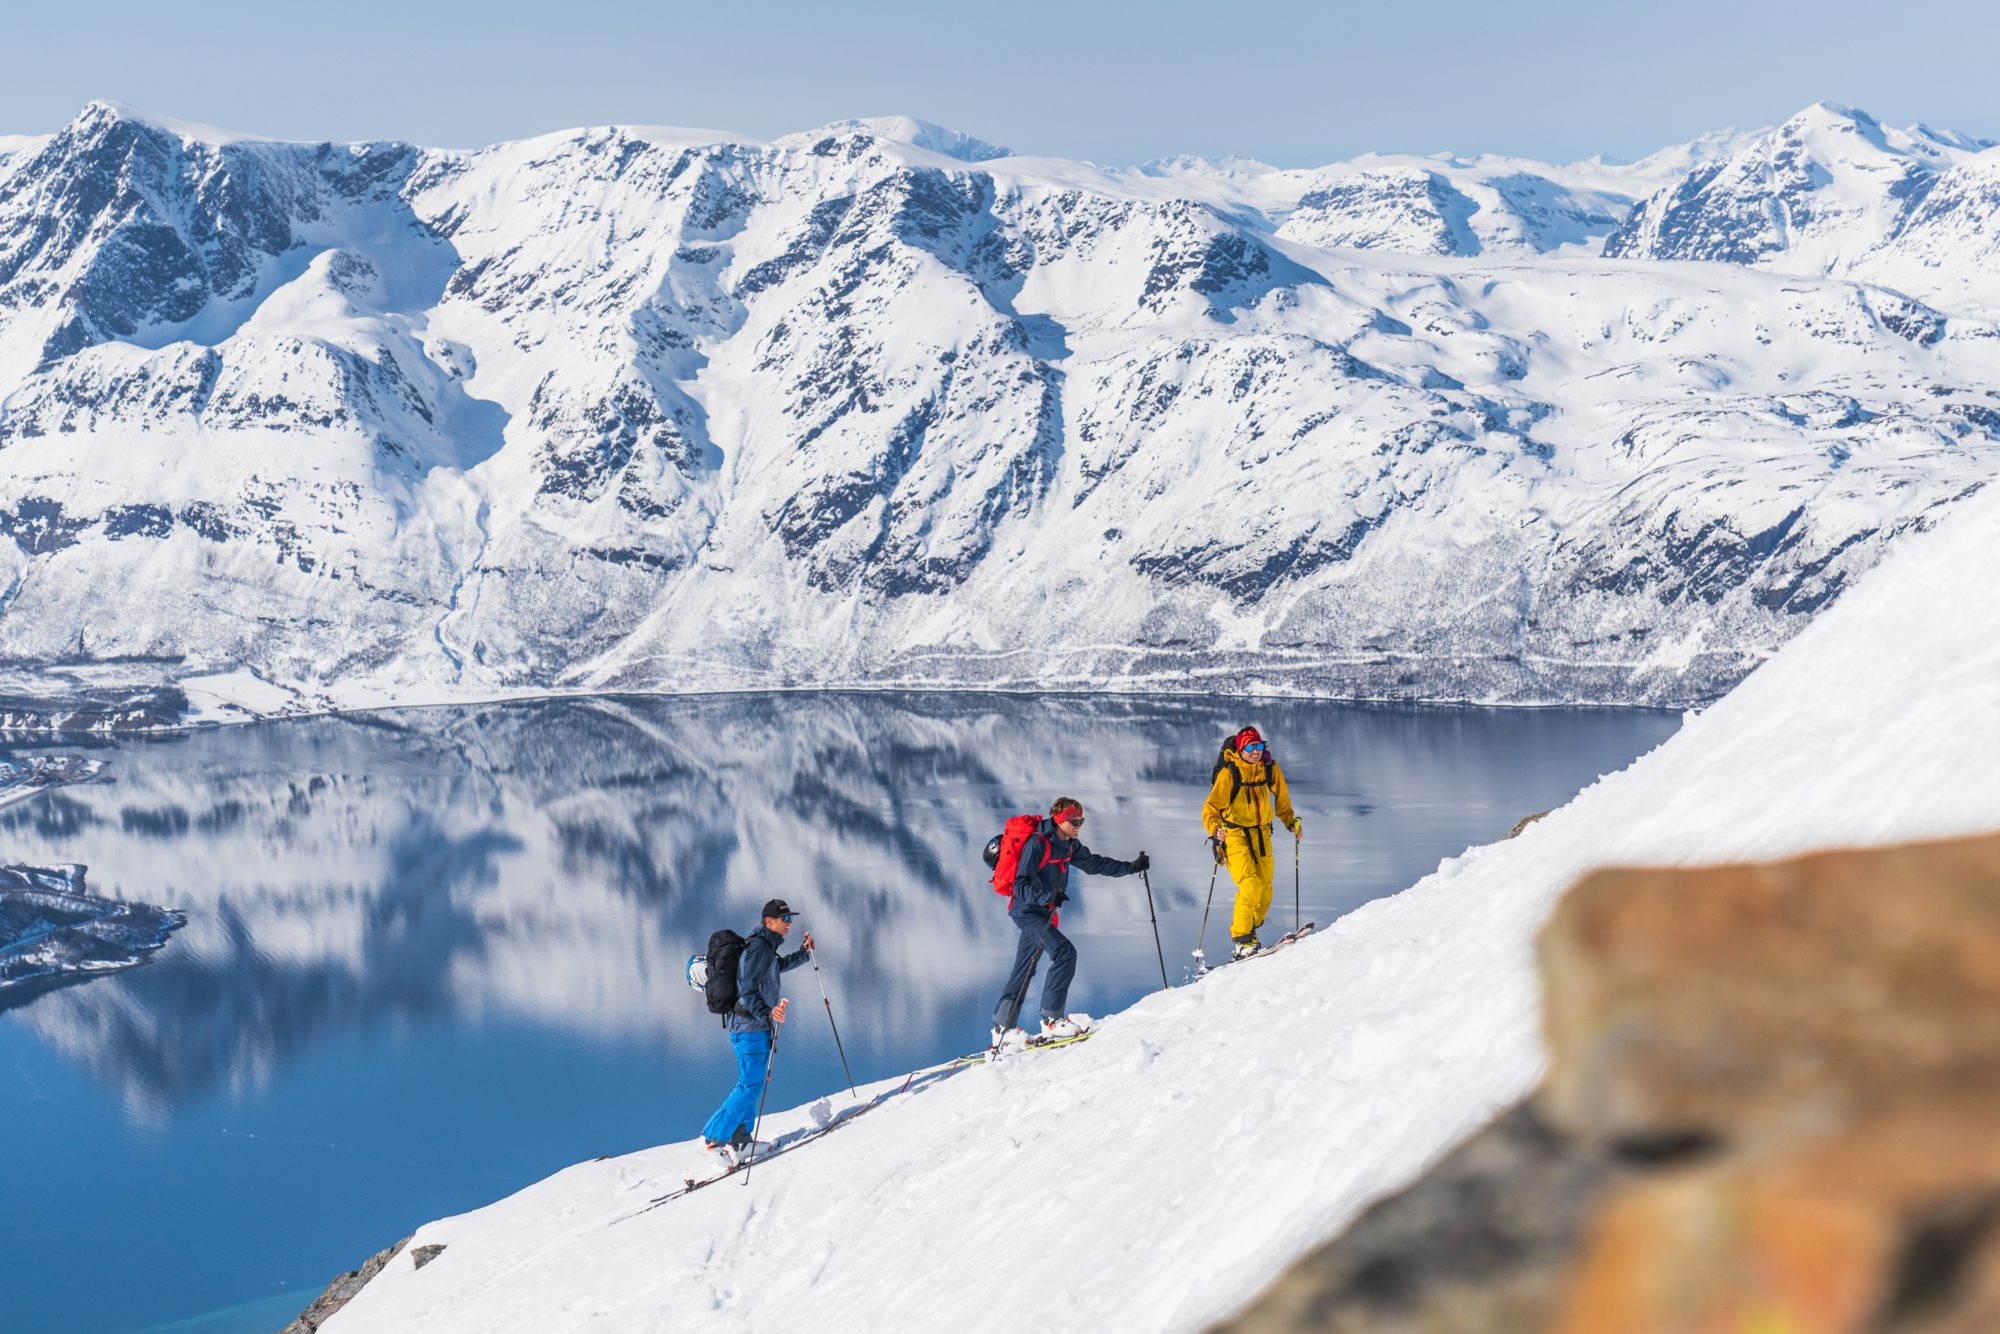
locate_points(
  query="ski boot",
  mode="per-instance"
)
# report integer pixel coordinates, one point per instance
(1244, 946)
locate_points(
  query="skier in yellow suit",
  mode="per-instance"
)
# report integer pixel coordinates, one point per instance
(1249, 789)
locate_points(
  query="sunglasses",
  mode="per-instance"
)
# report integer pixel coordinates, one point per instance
(1254, 748)
(786, 919)
(1073, 817)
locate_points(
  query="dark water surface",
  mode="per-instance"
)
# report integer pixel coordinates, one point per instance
(433, 955)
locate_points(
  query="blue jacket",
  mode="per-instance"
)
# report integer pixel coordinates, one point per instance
(757, 970)
(1039, 887)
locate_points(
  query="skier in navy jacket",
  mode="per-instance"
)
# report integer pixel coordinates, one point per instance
(1041, 884)
(753, 1026)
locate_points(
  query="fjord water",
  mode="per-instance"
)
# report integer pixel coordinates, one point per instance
(433, 955)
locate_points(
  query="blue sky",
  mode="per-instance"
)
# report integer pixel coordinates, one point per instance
(1296, 84)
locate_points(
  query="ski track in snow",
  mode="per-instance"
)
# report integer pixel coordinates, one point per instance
(1159, 1175)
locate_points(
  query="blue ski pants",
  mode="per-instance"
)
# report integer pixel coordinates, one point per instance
(1037, 934)
(739, 1109)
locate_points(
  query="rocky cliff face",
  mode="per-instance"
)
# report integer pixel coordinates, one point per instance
(1768, 1106)
(642, 409)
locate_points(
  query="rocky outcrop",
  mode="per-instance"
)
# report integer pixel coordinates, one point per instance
(1769, 1106)
(341, 1291)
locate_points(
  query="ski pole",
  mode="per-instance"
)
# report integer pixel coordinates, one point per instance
(1147, 880)
(762, 1098)
(1202, 939)
(829, 1019)
(1296, 840)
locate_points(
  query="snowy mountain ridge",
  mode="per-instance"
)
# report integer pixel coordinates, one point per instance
(659, 409)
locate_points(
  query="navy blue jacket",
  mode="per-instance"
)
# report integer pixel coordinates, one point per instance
(1038, 887)
(757, 970)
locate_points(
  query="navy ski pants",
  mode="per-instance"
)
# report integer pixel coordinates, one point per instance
(739, 1109)
(1037, 936)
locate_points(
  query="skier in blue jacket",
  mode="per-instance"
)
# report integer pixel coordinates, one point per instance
(1041, 885)
(753, 1025)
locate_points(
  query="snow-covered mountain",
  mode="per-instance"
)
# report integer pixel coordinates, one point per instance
(1833, 191)
(632, 408)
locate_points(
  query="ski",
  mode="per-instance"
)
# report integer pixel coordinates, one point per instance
(785, 1147)
(1289, 938)
(690, 1185)
(1032, 1044)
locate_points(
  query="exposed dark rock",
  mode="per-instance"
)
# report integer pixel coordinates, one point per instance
(341, 1291)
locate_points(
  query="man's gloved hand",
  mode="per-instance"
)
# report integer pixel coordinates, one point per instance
(778, 1011)
(1299, 830)
(1058, 899)
(1141, 862)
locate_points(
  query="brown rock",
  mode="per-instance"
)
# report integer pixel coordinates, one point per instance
(1888, 1225)
(1773, 1107)
(1767, 997)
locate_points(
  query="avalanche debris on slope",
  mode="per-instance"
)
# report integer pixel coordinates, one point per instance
(660, 410)
(1364, 1051)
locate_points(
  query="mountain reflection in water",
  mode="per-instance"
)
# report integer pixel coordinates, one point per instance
(433, 954)
(560, 860)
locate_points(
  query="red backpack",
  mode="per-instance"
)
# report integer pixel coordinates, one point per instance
(1003, 852)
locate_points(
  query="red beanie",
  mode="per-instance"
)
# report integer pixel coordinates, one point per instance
(1245, 737)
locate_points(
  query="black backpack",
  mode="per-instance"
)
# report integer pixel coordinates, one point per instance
(725, 947)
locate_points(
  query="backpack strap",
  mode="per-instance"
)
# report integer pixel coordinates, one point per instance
(1235, 776)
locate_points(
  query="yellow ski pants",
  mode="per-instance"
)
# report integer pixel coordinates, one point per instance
(1252, 871)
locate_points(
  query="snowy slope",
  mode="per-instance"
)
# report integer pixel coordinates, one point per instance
(1144, 1158)
(662, 409)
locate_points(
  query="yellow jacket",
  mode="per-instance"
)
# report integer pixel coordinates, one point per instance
(1248, 796)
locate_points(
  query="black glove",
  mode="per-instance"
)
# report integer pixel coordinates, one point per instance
(1140, 863)
(1058, 899)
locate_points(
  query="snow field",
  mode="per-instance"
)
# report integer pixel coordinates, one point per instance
(1159, 1175)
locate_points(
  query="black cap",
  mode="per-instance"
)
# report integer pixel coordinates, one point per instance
(777, 908)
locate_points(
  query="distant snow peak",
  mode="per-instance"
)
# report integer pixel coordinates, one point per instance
(908, 130)
(1831, 191)
(1401, 209)
(1443, 206)
(105, 109)
(1183, 166)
